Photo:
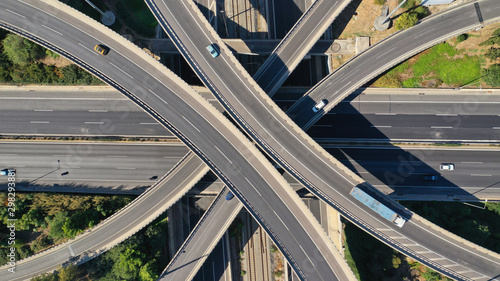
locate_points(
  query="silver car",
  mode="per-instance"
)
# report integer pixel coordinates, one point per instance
(213, 50)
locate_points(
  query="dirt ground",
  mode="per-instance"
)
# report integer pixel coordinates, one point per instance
(362, 13)
(58, 62)
(470, 46)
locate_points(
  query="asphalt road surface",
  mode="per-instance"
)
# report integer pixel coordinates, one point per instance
(101, 165)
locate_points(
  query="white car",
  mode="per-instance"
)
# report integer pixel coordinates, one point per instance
(212, 49)
(319, 105)
(447, 167)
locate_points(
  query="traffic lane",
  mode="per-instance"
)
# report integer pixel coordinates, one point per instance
(384, 132)
(454, 103)
(436, 121)
(203, 59)
(82, 162)
(371, 63)
(43, 98)
(216, 266)
(77, 123)
(398, 167)
(457, 254)
(459, 155)
(60, 150)
(440, 193)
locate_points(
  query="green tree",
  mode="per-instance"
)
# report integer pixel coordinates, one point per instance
(129, 264)
(421, 12)
(396, 261)
(379, 2)
(490, 41)
(148, 272)
(40, 243)
(78, 222)
(20, 50)
(5, 68)
(56, 231)
(34, 218)
(494, 207)
(493, 53)
(406, 20)
(492, 75)
(73, 74)
(68, 273)
(431, 275)
(410, 3)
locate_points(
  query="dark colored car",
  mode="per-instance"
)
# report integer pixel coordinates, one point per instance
(101, 49)
(430, 177)
(229, 196)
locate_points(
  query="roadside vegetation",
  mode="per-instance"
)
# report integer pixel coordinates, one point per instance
(410, 17)
(448, 65)
(372, 260)
(46, 219)
(478, 225)
(22, 62)
(141, 257)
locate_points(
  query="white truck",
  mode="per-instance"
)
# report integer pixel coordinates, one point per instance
(377, 206)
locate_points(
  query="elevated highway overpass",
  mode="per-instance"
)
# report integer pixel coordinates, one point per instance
(151, 89)
(319, 172)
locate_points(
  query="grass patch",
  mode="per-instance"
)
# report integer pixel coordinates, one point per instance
(442, 63)
(413, 82)
(452, 71)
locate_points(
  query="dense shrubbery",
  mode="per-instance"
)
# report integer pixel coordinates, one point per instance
(141, 257)
(476, 225)
(410, 3)
(63, 215)
(410, 18)
(494, 39)
(493, 53)
(492, 75)
(406, 20)
(18, 64)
